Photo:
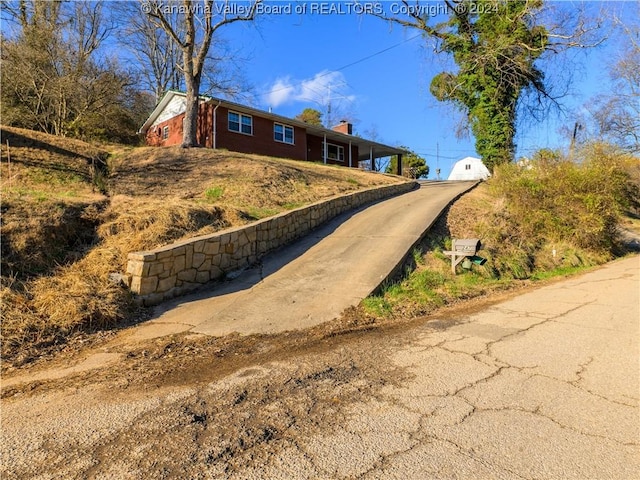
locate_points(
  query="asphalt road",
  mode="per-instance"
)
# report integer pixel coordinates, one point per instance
(545, 385)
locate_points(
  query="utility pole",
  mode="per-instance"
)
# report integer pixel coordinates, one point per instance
(329, 123)
(577, 127)
(437, 160)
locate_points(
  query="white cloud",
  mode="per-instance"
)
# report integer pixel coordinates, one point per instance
(322, 87)
(280, 92)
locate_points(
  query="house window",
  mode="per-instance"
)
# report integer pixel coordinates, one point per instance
(334, 152)
(467, 166)
(165, 132)
(283, 133)
(240, 123)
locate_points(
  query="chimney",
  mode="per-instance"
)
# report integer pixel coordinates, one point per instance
(344, 127)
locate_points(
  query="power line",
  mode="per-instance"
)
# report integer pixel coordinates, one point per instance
(436, 156)
(329, 72)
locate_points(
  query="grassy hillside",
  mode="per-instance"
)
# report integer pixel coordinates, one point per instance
(72, 212)
(551, 217)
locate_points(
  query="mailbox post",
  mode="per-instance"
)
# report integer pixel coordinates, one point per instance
(464, 248)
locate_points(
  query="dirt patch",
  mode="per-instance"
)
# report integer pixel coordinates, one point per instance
(169, 360)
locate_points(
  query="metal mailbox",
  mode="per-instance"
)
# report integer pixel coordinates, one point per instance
(465, 249)
(467, 246)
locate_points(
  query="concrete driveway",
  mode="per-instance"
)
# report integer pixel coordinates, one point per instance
(315, 279)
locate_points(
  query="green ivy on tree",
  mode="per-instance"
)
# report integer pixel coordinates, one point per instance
(495, 45)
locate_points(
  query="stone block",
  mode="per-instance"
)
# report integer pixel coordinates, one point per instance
(188, 255)
(147, 285)
(164, 254)
(187, 275)
(142, 256)
(216, 259)
(198, 246)
(203, 277)
(242, 240)
(211, 247)
(135, 267)
(179, 264)
(251, 234)
(229, 248)
(206, 265)
(166, 283)
(198, 259)
(156, 268)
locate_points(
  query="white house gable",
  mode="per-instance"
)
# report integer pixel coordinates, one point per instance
(176, 106)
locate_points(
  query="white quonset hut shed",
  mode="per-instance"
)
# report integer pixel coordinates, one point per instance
(469, 168)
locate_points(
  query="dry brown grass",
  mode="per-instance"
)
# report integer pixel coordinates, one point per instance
(483, 214)
(61, 239)
(247, 183)
(40, 166)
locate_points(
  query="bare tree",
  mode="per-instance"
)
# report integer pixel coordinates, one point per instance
(52, 78)
(198, 24)
(617, 114)
(156, 56)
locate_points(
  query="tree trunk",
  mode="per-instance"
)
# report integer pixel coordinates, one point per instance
(190, 125)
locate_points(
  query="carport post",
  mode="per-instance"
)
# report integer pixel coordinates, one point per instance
(372, 160)
(324, 153)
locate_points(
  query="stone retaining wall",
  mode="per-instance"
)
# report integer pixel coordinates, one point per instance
(176, 269)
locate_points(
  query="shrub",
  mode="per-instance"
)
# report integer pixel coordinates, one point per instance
(554, 199)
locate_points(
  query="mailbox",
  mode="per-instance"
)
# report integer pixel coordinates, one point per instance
(467, 246)
(464, 250)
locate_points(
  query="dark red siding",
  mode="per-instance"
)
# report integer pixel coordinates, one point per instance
(154, 134)
(261, 141)
(316, 153)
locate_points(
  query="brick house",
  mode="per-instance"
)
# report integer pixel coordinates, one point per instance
(231, 126)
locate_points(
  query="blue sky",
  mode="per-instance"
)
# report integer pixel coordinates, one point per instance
(377, 75)
(296, 62)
